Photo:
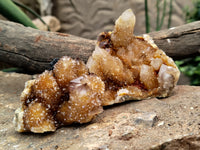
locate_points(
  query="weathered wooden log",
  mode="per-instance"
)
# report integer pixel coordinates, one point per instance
(179, 42)
(33, 49)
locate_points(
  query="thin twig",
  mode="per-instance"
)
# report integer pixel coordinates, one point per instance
(158, 15)
(170, 14)
(147, 17)
(163, 15)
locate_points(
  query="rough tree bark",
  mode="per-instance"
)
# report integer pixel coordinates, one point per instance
(34, 49)
(179, 42)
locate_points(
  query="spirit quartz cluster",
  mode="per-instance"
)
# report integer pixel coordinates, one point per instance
(122, 67)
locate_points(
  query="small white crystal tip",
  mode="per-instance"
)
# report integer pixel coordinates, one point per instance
(127, 14)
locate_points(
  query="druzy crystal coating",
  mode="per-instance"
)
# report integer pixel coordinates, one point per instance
(122, 67)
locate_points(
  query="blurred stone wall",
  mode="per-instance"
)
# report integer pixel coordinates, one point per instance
(87, 18)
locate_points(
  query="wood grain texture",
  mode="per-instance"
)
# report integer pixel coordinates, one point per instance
(33, 49)
(179, 42)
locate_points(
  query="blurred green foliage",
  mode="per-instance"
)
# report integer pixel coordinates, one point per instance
(191, 66)
(9, 10)
(194, 14)
(161, 7)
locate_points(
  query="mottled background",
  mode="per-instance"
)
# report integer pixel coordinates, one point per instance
(87, 18)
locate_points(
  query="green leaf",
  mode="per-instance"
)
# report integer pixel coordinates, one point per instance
(9, 10)
(197, 58)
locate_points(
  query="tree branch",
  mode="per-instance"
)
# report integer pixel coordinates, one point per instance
(34, 49)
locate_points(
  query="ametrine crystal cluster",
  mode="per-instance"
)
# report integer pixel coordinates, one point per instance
(122, 67)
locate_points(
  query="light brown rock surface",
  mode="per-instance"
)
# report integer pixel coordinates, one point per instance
(175, 123)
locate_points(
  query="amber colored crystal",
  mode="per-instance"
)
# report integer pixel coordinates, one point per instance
(122, 67)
